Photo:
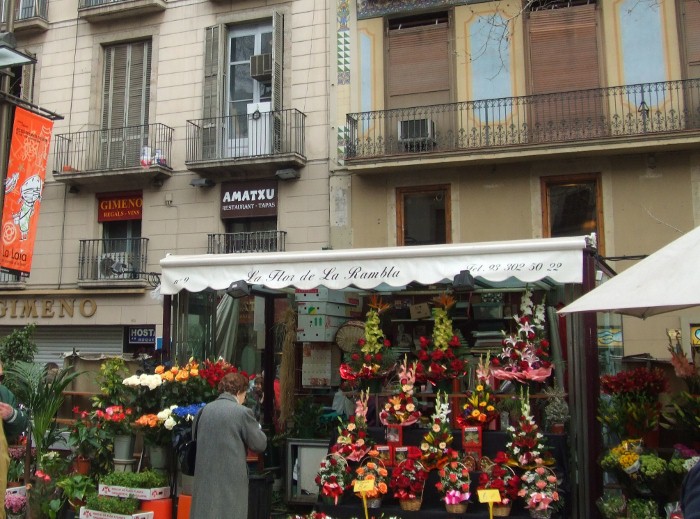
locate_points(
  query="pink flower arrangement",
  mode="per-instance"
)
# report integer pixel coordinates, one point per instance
(400, 409)
(353, 440)
(539, 488)
(15, 503)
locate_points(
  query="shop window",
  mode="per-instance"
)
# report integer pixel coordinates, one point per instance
(423, 215)
(573, 207)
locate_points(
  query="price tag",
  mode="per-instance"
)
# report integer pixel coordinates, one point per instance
(367, 486)
(489, 495)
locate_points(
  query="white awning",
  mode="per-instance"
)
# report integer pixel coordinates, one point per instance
(555, 260)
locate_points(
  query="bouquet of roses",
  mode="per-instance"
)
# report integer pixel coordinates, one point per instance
(115, 419)
(436, 445)
(525, 355)
(333, 476)
(371, 470)
(454, 481)
(539, 488)
(353, 441)
(526, 442)
(375, 358)
(497, 474)
(401, 408)
(156, 427)
(408, 479)
(441, 358)
(480, 407)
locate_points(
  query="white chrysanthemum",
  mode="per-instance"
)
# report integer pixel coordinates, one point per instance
(169, 423)
(131, 381)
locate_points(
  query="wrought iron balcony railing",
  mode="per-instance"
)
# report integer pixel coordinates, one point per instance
(7, 277)
(601, 113)
(117, 259)
(258, 134)
(114, 149)
(26, 9)
(257, 241)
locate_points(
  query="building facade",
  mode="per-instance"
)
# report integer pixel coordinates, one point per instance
(466, 122)
(188, 127)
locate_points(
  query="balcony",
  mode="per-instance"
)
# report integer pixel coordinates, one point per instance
(30, 16)
(222, 148)
(606, 120)
(114, 158)
(97, 11)
(9, 281)
(113, 262)
(258, 241)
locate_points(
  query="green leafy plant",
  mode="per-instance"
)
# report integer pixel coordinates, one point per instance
(145, 479)
(76, 488)
(45, 495)
(612, 505)
(308, 420)
(43, 397)
(557, 409)
(113, 371)
(646, 508)
(18, 346)
(114, 505)
(85, 438)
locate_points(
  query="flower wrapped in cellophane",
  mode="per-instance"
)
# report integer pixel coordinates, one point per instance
(437, 442)
(400, 409)
(353, 441)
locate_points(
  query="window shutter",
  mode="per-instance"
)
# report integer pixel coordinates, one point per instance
(564, 57)
(691, 30)
(213, 81)
(418, 60)
(277, 60)
(27, 85)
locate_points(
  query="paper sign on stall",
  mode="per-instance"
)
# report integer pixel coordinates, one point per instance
(490, 496)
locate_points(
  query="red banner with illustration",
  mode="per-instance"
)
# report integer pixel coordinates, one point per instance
(26, 170)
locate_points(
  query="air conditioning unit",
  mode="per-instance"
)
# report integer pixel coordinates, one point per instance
(261, 67)
(112, 266)
(417, 134)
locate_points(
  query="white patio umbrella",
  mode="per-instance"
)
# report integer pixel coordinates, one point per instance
(667, 280)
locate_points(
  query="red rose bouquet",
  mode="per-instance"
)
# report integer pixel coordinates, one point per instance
(333, 476)
(408, 479)
(400, 409)
(115, 419)
(497, 474)
(375, 358)
(525, 355)
(441, 358)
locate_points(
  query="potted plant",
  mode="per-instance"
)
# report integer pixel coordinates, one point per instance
(539, 491)
(117, 420)
(556, 411)
(76, 489)
(15, 469)
(646, 508)
(454, 485)
(333, 477)
(113, 505)
(15, 505)
(85, 439)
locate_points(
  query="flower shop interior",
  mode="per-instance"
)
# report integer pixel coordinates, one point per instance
(436, 380)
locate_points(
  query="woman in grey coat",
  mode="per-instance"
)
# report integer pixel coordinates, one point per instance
(224, 430)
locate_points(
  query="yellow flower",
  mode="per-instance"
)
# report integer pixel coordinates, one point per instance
(479, 388)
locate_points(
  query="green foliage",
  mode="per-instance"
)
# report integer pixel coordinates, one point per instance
(76, 488)
(684, 414)
(646, 508)
(308, 420)
(86, 438)
(18, 346)
(114, 505)
(612, 505)
(113, 371)
(45, 495)
(144, 479)
(43, 397)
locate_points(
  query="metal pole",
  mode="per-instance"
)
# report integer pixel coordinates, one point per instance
(5, 112)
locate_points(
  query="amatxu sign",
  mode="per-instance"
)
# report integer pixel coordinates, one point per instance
(248, 199)
(558, 259)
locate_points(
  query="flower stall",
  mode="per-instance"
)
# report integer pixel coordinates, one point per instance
(423, 312)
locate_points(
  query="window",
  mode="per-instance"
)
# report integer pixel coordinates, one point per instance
(573, 207)
(125, 103)
(251, 235)
(240, 88)
(418, 65)
(423, 215)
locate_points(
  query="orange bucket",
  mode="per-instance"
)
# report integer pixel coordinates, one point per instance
(161, 508)
(183, 506)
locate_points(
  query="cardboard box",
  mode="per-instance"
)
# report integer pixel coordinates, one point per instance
(144, 494)
(320, 365)
(326, 308)
(317, 334)
(420, 311)
(94, 514)
(305, 322)
(327, 295)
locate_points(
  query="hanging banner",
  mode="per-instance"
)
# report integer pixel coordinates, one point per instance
(26, 170)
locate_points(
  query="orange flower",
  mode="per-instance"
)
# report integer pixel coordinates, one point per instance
(167, 376)
(182, 376)
(159, 370)
(174, 370)
(444, 300)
